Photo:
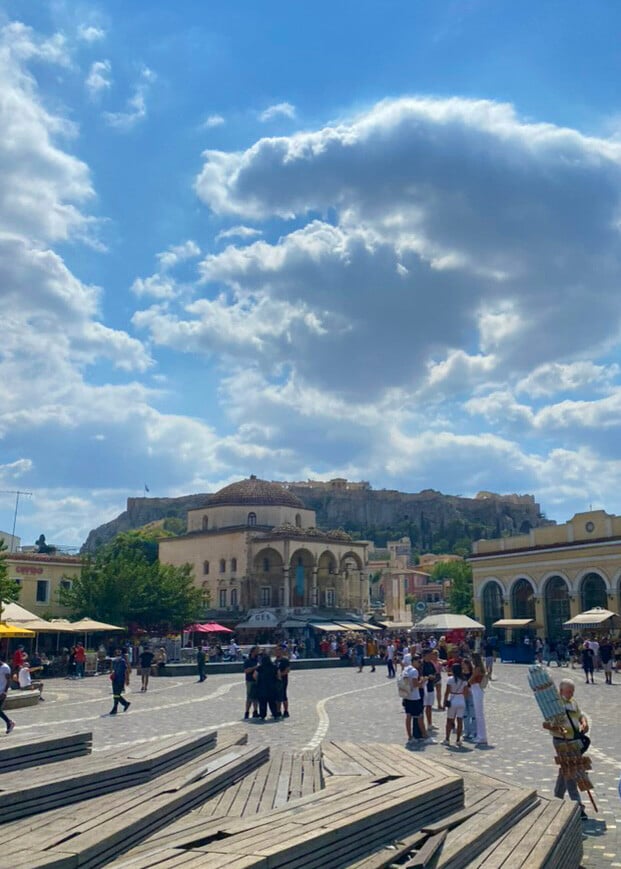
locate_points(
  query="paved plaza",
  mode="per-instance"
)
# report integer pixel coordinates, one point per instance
(342, 704)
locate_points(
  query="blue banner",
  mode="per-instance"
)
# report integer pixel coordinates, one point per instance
(299, 579)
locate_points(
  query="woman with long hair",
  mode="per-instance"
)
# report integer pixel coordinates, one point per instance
(266, 677)
(476, 684)
(470, 721)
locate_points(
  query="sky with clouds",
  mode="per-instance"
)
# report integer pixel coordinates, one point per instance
(371, 240)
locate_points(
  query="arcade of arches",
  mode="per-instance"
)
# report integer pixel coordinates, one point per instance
(570, 568)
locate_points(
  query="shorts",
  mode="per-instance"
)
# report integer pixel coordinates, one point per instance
(429, 698)
(489, 661)
(608, 666)
(413, 707)
(251, 692)
(456, 711)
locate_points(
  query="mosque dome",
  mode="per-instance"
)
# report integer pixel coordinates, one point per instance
(255, 493)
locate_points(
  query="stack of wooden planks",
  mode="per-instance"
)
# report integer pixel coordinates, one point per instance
(96, 831)
(22, 753)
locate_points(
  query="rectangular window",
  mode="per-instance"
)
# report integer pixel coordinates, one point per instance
(66, 584)
(266, 595)
(330, 597)
(234, 598)
(43, 590)
(222, 596)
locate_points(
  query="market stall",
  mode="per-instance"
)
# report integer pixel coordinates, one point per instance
(518, 646)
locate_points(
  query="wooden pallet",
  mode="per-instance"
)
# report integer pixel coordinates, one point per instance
(77, 779)
(98, 831)
(21, 754)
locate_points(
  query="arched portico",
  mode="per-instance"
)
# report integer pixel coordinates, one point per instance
(268, 570)
(301, 576)
(327, 578)
(491, 603)
(556, 605)
(593, 591)
(522, 599)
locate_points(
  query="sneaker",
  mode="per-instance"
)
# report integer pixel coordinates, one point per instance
(10, 726)
(127, 705)
(41, 699)
(246, 716)
(285, 715)
(113, 712)
(255, 715)
(446, 742)
(430, 741)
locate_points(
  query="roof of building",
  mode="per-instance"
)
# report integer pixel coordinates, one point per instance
(255, 493)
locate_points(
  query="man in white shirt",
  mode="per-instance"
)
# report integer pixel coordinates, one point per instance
(5, 679)
(25, 679)
(390, 659)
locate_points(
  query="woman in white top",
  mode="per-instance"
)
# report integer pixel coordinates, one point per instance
(455, 703)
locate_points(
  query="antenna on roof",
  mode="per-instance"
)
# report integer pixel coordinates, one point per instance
(17, 493)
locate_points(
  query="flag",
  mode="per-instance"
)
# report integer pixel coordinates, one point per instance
(146, 488)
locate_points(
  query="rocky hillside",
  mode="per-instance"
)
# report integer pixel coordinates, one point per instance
(431, 520)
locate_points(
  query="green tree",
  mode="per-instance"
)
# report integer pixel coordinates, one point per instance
(9, 588)
(124, 583)
(461, 597)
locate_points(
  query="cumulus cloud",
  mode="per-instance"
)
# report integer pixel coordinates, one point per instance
(243, 232)
(161, 284)
(278, 110)
(99, 78)
(89, 33)
(136, 104)
(212, 121)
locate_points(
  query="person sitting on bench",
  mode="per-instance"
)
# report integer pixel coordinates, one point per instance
(25, 679)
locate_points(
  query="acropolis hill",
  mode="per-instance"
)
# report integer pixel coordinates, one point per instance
(365, 512)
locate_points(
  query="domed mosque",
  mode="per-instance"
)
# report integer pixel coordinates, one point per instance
(258, 555)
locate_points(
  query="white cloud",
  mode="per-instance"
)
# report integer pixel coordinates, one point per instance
(279, 110)
(556, 377)
(161, 285)
(136, 104)
(243, 232)
(213, 121)
(99, 78)
(89, 33)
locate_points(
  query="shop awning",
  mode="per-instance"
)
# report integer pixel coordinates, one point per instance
(91, 626)
(291, 624)
(353, 626)
(448, 622)
(326, 626)
(513, 623)
(12, 631)
(369, 627)
(594, 618)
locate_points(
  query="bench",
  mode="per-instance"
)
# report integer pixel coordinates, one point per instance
(19, 698)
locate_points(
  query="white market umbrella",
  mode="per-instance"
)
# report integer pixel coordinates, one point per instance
(598, 617)
(448, 622)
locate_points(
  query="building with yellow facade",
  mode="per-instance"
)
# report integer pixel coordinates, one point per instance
(41, 578)
(254, 546)
(551, 574)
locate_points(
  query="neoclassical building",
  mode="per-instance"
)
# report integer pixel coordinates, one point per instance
(255, 545)
(551, 574)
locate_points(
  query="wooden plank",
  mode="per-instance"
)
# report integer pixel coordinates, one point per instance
(281, 796)
(427, 853)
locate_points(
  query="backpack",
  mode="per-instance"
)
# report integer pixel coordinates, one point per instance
(404, 687)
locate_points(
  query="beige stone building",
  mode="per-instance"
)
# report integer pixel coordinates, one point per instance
(41, 578)
(254, 545)
(551, 574)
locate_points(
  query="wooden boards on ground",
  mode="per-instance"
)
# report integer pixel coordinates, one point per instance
(21, 754)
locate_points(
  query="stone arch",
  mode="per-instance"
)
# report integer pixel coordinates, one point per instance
(556, 592)
(301, 566)
(522, 597)
(268, 573)
(350, 561)
(491, 603)
(298, 520)
(593, 591)
(327, 575)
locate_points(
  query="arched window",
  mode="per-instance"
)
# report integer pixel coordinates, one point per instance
(593, 592)
(205, 567)
(233, 565)
(492, 604)
(298, 520)
(556, 596)
(252, 518)
(522, 600)
(223, 565)
(205, 523)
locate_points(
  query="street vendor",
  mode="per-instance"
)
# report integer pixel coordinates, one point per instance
(577, 728)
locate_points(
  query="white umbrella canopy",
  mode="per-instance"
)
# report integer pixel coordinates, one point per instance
(20, 616)
(90, 626)
(448, 622)
(598, 617)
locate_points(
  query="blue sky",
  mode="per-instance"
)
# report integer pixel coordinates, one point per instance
(373, 240)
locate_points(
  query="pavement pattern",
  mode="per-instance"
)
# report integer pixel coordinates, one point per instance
(342, 704)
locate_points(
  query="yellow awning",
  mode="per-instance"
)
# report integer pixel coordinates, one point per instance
(10, 631)
(513, 623)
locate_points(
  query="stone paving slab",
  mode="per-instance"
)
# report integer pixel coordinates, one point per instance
(344, 705)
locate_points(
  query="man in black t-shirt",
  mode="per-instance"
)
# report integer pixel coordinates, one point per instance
(250, 665)
(146, 659)
(283, 665)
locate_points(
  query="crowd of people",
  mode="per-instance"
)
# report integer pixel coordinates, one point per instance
(586, 653)
(267, 681)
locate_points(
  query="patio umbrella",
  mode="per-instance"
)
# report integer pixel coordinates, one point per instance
(594, 618)
(11, 631)
(208, 628)
(448, 622)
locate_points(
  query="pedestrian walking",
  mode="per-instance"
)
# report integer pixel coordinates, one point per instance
(359, 654)
(283, 665)
(372, 652)
(588, 661)
(80, 660)
(470, 721)
(579, 727)
(201, 664)
(146, 659)
(390, 660)
(606, 653)
(455, 704)
(250, 665)
(429, 675)
(5, 680)
(120, 679)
